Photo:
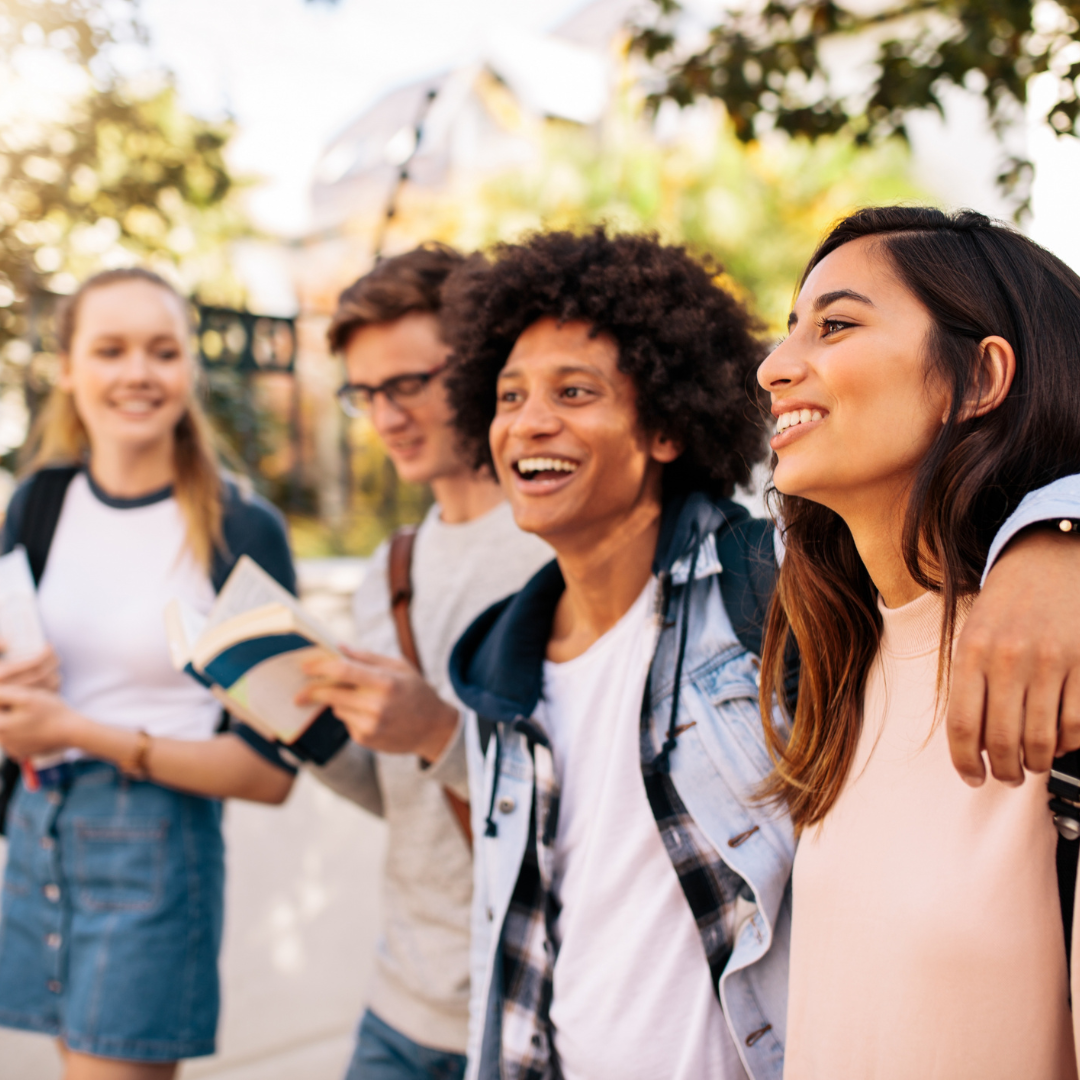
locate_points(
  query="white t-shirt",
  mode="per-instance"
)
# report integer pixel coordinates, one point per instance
(110, 572)
(633, 998)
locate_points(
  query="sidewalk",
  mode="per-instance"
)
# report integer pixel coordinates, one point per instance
(301, 916)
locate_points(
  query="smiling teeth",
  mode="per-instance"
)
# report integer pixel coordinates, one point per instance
(544, 464)
(797, 416)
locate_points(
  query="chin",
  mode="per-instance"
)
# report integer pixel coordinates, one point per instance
(415, 471)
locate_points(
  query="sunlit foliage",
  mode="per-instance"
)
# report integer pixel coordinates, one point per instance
(769, 64)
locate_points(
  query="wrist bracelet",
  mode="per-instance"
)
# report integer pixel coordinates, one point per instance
(1069, 525)
(138, 768)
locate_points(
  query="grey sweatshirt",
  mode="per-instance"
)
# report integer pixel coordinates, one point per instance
(421, 984)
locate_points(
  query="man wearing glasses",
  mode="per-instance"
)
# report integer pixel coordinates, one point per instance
(407, 758)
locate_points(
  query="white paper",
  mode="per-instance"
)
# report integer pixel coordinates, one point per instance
(20, 624)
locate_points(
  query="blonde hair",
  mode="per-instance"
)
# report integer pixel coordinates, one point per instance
(59, 437)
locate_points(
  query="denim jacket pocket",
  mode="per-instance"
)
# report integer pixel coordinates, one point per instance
(120, 865)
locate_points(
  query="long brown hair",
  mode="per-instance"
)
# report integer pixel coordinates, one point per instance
(59, 436)
(977, 278)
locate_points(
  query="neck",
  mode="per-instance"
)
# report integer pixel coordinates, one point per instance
(466, 496)
(605, 572)
(129, 473)
(877, 527)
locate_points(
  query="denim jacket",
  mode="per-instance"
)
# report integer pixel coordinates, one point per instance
(716, 763)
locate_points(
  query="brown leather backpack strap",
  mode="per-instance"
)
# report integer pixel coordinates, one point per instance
(401, 552)
(400, 571)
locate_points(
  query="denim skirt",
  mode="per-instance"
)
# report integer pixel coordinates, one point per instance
(110, 923)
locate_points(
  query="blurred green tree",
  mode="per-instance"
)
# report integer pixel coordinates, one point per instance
(769, 64)
(111, 172)
(759, 208)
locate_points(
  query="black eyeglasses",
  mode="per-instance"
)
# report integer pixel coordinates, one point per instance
(403, 390)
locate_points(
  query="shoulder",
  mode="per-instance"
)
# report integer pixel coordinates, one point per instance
(50, 483)
(245, 511)
(16, 513)
(254, 527)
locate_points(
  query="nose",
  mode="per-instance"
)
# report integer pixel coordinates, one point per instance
(535, 418)
(386, 417)
(138, 367)
(782, 368)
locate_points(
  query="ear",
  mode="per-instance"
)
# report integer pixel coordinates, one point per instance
(664, 449)
(997, 369)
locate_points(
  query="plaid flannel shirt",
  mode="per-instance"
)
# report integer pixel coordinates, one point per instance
(711, 888)
(528, 941)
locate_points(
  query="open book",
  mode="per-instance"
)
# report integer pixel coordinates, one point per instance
(249, 651)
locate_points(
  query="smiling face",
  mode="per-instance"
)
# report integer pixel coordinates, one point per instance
(565, 439)
(856, 412)
(418, 433)
(129, 369)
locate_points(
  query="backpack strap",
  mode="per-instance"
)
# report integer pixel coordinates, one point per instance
(44, 501)
(1064, 787)
(748, 570)
(400, 572)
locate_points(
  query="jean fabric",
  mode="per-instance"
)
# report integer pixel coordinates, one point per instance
(382, 1053)
(111, 918)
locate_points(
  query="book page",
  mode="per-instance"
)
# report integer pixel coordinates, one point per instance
(265, 694)
(183, 625)
(20, 623)
(248, 587)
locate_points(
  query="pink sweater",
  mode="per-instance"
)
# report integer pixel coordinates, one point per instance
(926, 938)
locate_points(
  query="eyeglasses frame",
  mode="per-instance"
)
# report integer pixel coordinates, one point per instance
(386, 387)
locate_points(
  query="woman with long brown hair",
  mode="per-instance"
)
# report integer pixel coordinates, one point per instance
(930, 379)
(113, 889)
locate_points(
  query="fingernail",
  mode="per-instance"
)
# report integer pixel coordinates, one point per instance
(972, 780)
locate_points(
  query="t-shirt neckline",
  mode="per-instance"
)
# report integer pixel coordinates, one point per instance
(117, 503)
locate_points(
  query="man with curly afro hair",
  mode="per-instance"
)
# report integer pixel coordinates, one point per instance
(631, 909)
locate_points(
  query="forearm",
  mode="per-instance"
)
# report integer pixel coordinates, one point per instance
(351, 774)
(220, 768)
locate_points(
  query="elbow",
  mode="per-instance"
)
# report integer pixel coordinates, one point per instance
(271, 790)
(278, 792)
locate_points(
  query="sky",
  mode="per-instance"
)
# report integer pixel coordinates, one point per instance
(294, 73)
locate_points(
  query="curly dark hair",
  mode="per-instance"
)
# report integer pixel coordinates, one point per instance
(690, 347)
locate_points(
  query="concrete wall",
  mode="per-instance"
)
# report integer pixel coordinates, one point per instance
(301, 918)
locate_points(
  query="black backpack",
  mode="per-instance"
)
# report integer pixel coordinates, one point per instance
(44, 501)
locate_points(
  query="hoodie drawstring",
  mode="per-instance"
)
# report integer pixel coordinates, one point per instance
(662, 763)
(490, 828)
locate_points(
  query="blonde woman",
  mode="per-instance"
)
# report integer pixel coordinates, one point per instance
(112, 903)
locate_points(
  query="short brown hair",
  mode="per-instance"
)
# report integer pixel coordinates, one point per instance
(409, 282)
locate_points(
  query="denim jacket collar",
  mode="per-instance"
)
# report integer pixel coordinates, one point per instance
(497, 666)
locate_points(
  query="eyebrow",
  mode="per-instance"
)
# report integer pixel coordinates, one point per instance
(825, 299)
(565, 369)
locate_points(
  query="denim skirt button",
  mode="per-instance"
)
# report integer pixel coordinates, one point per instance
(54, 986)
(55, 798)
(52, 893)
(53, 941)
(48, 843)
